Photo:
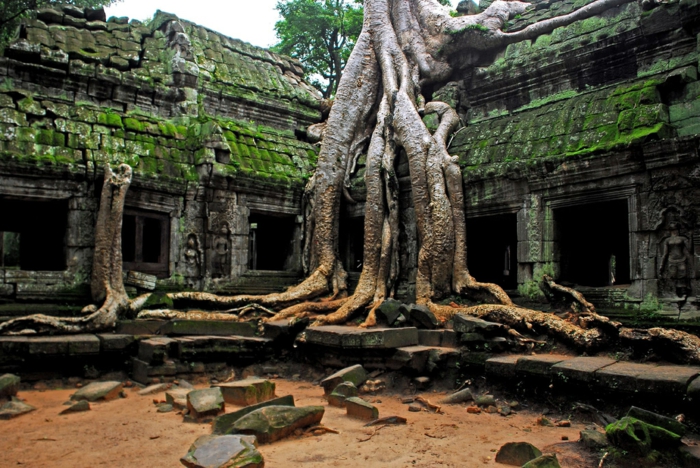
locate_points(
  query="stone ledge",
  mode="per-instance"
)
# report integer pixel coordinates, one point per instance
(349, 337)
(580, 369)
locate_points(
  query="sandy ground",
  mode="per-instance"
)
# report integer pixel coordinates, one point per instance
(129, 432)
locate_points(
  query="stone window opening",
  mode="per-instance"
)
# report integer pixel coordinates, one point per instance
(145, 242)
(352, 243)
(271, 239)
(33, 234)
(593, 243)
(492, 249)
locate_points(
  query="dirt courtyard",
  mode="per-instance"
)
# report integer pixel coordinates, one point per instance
(130, 432)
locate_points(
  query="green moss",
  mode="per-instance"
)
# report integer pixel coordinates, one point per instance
(133, 124)
(110, 119)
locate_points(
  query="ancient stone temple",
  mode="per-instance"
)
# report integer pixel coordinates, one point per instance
(214, 129)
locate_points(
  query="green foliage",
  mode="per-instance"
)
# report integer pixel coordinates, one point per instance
(14, 11)
(321, 34)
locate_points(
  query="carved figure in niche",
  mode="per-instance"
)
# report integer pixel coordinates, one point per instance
(675, 255)
(193, 262)
(222, 252)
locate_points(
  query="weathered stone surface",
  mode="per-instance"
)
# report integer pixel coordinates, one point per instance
(155, 388)
(545, 461)
(205, 403)
(443, 338)
(485, 400)
(9, 385)
(422, 317)
(635, 435)
(14, 408)
(157, 350)
(224, 423)
(467, 324)
(248, 391)
(63, 345)
(355, 374)
(667, 380)
(373, 338)
(502, 366)
(139, 327)
(77, 407)
(388, 311)
(517, 453)
(99, 391)
(277, 422)
(540, 364)
(227, 451)
(135, 278)
(360, 409)
(580, 369)
(207, 327)
(593, 439)
(656, 419)
(177, 397)
(458, 397)
(341, 392)
(112, 342)
(621, 376)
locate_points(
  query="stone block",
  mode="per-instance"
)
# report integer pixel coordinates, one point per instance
(517, 453)
(355, 374)
(666, 380)
(177, 397)
(389, 311)
(621, 376)
(580, 369)
(350, 337)
(157, 350)
(273, 423)
(248, 391)
(360, 409)
(341, 392)
(9, 385)
(224, 423)
(656, 419)
(222, 347)
(444, 338)
(422, 317)
(207, 327)
(282, 329)
(141, 280)
(14, 408)
(228, 451)
(143, 372)
(99, 391)
(467, 324)
(112, 342)
(411, 357)
(502, 366)
(139, 327)
(539, 364)
(208, 402)
(63, 345)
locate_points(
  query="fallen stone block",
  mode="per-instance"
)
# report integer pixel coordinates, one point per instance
(389, 311)
(14, 408)
(468, 324)
(341, 392)
(99, 391)
(355, 374)
(485, 400)
(224, 423)
(545, 461)
(360, 409)
(656, 419)
(593, 439)
(517, 453)
(157, 388)
(638, 436)
(458, 397)
(229, 451)
(77, 407)
(177, 397)
(208, 402)
(277, 422)
(248, 391)
(141, 280)
(9, 385)
(422, 317)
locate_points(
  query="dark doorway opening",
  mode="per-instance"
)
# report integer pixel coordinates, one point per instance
(33, 234)
(145, 241)
(271, 242)
(352, 243)
(492, 249)
(594, 243)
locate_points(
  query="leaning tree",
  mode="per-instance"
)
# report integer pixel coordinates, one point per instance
(406, 47)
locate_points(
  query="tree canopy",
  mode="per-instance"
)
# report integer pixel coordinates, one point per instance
(13, 11)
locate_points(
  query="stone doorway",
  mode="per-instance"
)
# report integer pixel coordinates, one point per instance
(594, 243)
(352, 238)
(271, 243)
(145, 241)
(492, 249)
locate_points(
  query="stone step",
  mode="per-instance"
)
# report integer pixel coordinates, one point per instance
(443, 338)
(335, 336)
(186, 327)
(22, 347)
(421, 358)
(601, 373)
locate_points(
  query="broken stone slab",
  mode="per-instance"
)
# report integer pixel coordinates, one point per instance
(667, 380)
(350, 337)
(224, 423)
(141, 280)
(248, 391)
(540, 364)
(548, 460)
(634, 435)
(156, 388)
(593, 439)
(517, 453)
(208, 402)
(388, 311)
(77, 407)
(9, 385)
(580, 369)
(468, 324)
(458, 397)
(99, 391)
(502, 366)
(177, 397)
(422, 317)
(14, 408)
(273, 423)
(360, 409)
(341, 392)
(229, 451)
(355, 374)
(157, 350)
(207, 327)
(283, 330)
(621, 376)
(656, 419)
